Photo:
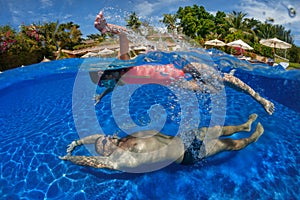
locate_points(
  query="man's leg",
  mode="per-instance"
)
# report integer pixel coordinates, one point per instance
(215, 146)
(210, 133)
(229, 130)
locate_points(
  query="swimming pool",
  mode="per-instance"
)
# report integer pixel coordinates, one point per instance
(37, 122)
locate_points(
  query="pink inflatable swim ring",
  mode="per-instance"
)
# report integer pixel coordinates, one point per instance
(157, 74)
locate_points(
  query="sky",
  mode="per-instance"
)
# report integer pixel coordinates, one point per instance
(17, 12)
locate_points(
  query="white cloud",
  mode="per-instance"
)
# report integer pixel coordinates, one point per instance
(67, 16)
(263, 10)
(147, 9)
(46, 3)
(15, 14)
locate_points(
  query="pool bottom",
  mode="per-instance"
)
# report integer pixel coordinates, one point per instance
(38, 124)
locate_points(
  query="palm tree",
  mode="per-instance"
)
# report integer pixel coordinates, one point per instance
(242, 28)
(170, 22)
(68, 35)
(96, 37)
(283, 34)
(266, 31)
(236, 21)
(221, 25)
(252, 23)
(133, 21)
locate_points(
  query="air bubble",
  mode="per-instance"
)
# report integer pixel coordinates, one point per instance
(292, 12)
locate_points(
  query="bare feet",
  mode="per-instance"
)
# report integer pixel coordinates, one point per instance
(258, 132)
(251, 119)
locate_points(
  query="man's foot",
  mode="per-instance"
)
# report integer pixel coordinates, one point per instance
(251, 119)
(258, 132)
(97, 99)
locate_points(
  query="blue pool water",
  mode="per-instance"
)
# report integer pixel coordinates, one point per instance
(40, 115)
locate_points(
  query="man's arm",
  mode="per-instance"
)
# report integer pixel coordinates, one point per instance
(268, 105)
(91, 161)
(86, 140)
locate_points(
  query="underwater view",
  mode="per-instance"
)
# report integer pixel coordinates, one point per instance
(187, 100)
(40, 117)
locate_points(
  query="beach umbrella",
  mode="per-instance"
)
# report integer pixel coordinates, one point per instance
(89, 54)
(105, 52)
(45, 60)
(215, 42)
(240, 44)
(139, 48)
(275, 43)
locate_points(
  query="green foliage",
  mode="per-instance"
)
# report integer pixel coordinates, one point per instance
(197, 23)
(133, 22)
(294, 65)
(221, 23)
(170, 21)
(7, 38)
(35, 41)
(236, 21)
(96, 37)
(68, 35)
(295, 54)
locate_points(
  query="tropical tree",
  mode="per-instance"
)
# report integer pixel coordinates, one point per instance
(295, 54)
(195, 21)
(236, 21)
(96, 37)
(7, 38)
(266, 31)
(133, 21)
(251, 23)
(47, 32)
(283, 34)
(170, 22)
(35, 41)
(221, 25)
(19, 48)
(68, 35)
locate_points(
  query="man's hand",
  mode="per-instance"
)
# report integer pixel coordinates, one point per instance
(71, 147)
(66, 157)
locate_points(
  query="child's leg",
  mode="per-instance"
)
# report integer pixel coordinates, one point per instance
(124, 46)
